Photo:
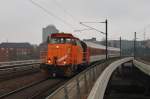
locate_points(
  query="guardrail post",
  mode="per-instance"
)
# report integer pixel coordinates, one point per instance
(90, 77)
(96, 71)
(66, 92)
(93, 74)
(78, 89)
(85, 82)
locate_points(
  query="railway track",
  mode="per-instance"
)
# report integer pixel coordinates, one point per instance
(35, 89)
(39, 89)
(18, 68)
(14, 72)
(4, 65)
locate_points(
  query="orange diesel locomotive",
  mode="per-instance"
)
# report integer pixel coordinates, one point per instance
(66, 54)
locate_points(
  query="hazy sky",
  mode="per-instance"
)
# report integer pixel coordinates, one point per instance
(22, 21)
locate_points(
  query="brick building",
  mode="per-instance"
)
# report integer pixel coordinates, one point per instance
(43, 50)
(15, 51)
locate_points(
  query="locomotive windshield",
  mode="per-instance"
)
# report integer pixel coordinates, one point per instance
(59, 40)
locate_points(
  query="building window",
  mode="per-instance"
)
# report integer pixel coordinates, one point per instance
(2, 48)
(7, 51)
(11, 48)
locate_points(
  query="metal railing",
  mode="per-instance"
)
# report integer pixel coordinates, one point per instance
(80, 86)
(143, 66)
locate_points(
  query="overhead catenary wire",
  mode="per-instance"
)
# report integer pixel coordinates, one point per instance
(92, 28)
(68, 13)
(65, 10)
(144, 30)
(51, 13)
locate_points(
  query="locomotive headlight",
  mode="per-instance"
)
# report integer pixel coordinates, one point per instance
(64, 62)
(57, 46)
(49, 61)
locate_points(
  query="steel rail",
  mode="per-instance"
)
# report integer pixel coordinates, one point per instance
(18, 65)
(45, 93)
(22, 88)
(30, 90)
(12, 65)
(18, 62)
(15, 74)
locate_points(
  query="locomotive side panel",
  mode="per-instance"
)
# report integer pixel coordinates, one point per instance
(76, 55)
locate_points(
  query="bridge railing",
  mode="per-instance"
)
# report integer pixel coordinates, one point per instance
(144, 66)
(99, 88)
(80, 86)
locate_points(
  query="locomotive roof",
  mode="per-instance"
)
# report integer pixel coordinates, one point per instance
(94, 45)
(65, 35)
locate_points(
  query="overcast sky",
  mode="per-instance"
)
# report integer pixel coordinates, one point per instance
(22, 21)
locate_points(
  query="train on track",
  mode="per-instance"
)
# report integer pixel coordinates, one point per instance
(66, 54)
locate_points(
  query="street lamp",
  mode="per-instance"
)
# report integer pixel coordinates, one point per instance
(104, 33)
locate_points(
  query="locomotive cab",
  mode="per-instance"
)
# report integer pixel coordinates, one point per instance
(59, 50)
